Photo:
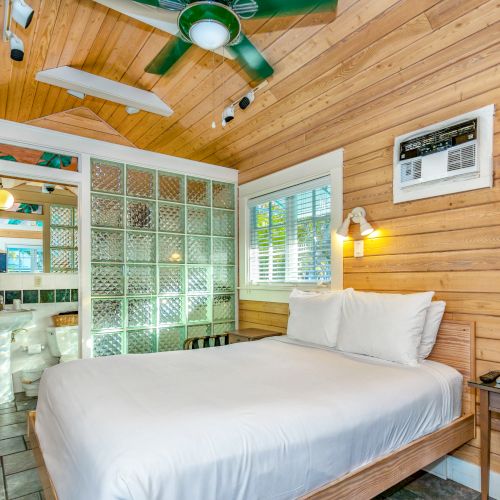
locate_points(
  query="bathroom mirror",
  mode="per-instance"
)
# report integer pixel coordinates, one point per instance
(39, 232)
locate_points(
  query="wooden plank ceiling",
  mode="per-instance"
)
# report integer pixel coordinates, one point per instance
(334, 75)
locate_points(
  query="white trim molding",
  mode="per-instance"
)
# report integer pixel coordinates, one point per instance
(48, 140)
(330, 164)
(463, 472)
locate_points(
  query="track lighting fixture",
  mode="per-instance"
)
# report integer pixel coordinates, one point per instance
(247, 100)
(22, 13)
(358, 216)
(16, 47)
(227, 115)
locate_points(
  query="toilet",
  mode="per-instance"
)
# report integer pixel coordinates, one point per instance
(63, 342)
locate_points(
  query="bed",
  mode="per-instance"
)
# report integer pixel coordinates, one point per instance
(273, 419)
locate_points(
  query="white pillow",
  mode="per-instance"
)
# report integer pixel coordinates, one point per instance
(315, 317)
(383, 325)
(431, 327)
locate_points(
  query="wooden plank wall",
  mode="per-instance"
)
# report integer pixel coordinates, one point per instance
(450, 244)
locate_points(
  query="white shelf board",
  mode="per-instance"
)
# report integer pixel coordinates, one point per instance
(98, 86)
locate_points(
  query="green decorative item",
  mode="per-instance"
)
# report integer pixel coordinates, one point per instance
(54, 160)
(27, 208)
(8, 158)
(216, 24)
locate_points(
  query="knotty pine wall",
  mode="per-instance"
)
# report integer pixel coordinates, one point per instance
(450, 244)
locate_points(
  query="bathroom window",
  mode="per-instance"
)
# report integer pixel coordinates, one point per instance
(25, 259)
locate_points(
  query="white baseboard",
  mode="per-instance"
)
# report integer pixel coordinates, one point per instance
(465, 473)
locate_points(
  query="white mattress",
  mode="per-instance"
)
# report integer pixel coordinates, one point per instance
(272, 419)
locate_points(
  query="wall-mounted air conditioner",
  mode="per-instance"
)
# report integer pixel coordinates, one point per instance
(448, 157)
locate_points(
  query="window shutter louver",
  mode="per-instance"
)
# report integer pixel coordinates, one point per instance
(290, 234)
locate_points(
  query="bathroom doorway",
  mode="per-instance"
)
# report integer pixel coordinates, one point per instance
(39, 265)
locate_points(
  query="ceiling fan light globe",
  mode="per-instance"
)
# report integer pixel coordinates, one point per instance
(6, 200)
(209, 35)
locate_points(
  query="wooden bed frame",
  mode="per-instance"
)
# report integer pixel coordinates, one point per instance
(455, 347)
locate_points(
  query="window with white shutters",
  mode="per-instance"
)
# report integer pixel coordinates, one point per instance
(290, 235)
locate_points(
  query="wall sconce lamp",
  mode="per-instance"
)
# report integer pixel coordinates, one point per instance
(358, 216)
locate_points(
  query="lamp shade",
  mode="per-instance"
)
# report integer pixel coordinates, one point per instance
(6, 199)
(365, 227)
(343, 229)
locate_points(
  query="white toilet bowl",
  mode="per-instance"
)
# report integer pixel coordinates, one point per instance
(63, 342)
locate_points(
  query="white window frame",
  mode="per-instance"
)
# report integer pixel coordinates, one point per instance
(330, 164)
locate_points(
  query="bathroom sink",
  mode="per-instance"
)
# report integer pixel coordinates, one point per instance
(10, 320)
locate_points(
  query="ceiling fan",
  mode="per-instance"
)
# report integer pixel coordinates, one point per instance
(212, 25)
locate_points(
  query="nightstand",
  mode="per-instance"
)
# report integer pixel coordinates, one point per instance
(249, 334)
(489, 400)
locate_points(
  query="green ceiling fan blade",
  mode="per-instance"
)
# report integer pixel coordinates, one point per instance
(267, 8)
(167, 57)
(251, 60)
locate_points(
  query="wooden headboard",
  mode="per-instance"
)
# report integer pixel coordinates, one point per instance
(455, 347)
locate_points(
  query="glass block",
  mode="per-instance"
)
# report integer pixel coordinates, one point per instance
(107, 246)
(223, 251)
(198, 191)
(198, 220)
(223, 279)
(223, 307)
(141, 341)
(141, 280)
(61, 260)
(141, 312)
(223, 195)
(141, 182)
(222, 328)
(107, 176)
(171, 339)
(171, 279)
(61, 237)
(170, 218)
(107, 279)
(141, 215)
(171, 310)
(75, 260)
(198, 279)
(223, 223)
(171, 187)
(141, 247)
(107, 314)
(107, 344)
(75, 238)
(107, 211)
(198, 250)
(199, 308)
(170, 248)
(199, 330)
(61, 216)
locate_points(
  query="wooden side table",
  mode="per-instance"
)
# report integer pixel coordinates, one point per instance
(489, 400)
(249, 334)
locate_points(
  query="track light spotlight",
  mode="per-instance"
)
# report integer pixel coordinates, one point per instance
(22, 13)
(247, 100)
(227, 115)
(16, 47)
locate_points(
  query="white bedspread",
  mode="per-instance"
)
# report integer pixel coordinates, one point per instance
(271, 419)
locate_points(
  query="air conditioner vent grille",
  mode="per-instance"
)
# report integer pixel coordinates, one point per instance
(464, 157)
(411, 170)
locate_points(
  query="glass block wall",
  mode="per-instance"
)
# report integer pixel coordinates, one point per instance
(163, 258)
(63, 239)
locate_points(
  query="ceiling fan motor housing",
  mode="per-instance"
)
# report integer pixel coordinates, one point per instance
(211, 11)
